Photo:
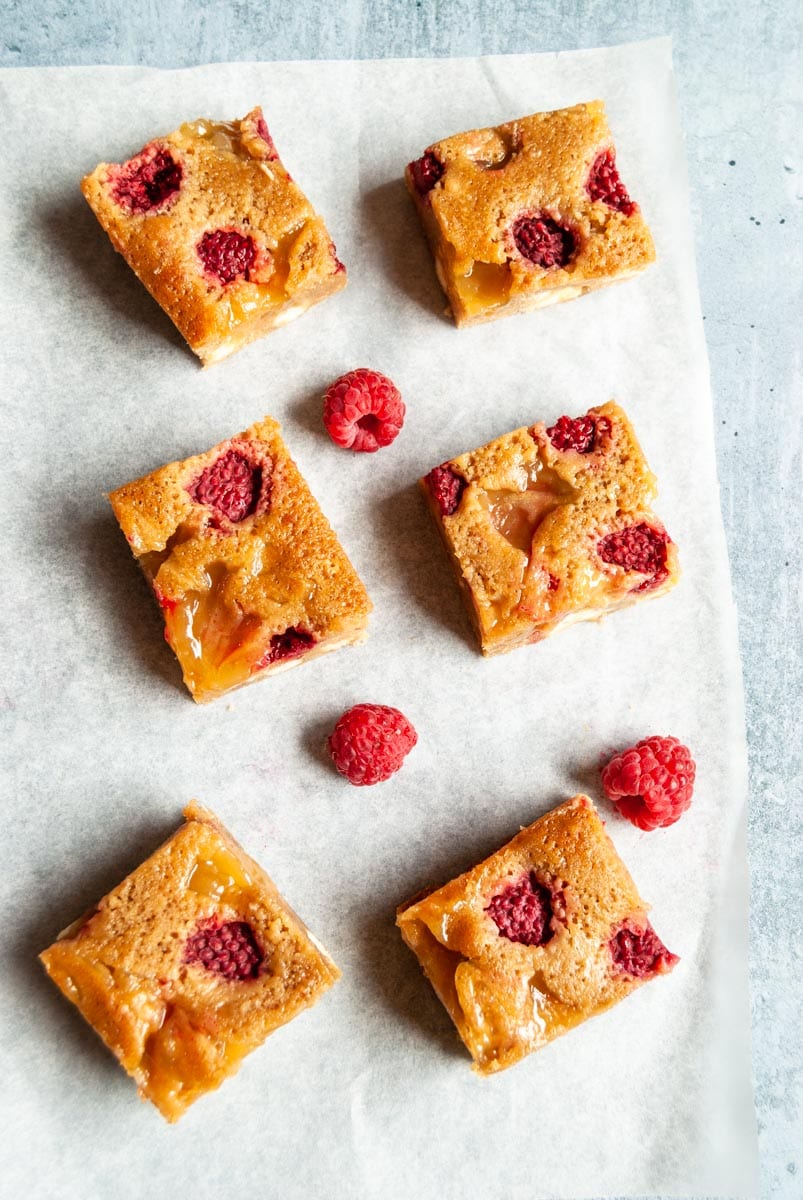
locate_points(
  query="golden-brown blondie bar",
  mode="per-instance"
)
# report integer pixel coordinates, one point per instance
(249, 574)
(189, 964)
(547, 526)
(220, 235)
(528, 213)
(548, 931)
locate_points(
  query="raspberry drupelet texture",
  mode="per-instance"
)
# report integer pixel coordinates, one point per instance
(640, 952)
(370, 742)
(147, 181)
(231, 487)
(229, 949)
(363, 410)
(578, 433)
(637, 548)
(226, 254)
(523, 912)
(542, 241)
(652, 783)
(604, 184)
(426, 172)
(289, 644)
(447, 487)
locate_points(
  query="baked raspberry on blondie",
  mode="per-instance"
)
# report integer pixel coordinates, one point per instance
(250, 576)
(528, 213)
(189, 964)
(220, 235)
(548, 931)
(548, 526)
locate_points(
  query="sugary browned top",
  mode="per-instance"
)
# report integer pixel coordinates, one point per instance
(570, 852)
(227, 184)
(513, 978)
(534, 165)
(283, 563)
(527, 529)
(178, 1027)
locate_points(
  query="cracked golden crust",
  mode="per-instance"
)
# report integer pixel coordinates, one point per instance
(225, 185)
(534, 165)
(279, 568)
(507, 587)
(176, 1028)
(508, 999)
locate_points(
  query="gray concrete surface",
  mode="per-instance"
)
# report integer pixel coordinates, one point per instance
(740, 77)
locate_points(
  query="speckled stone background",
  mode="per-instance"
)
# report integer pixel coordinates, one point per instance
(740, 78)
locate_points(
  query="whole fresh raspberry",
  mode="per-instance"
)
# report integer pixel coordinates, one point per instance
(289, 644)
(523, 912)
(370, 742)
(231, 486)
(426, 172)
(543, 241)
(604, 184)
(640, 952)
(226, 254)
(147, 181)
(651, 783)
(637, 548)
(578, 433)
(447, 487)
(363, 410)
(229, 949)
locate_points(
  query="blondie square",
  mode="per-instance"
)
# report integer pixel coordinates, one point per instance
(528, 213)
(548, 931)
(249, 574)
(189, 964)
(218, 232)
(549, 526)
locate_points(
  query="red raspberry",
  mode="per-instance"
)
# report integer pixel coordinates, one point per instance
(447, 487)
(231, 486)
(543, 241)
(363, 410)
(426, 172)
(637, 548)
(264, 133)
(604, 184)
(651, 783)
(523, 912)
(578, 434)
(640, 952)
(370, 742)
(289, 644)
(230, 949)
(147, 181)
(226, 254)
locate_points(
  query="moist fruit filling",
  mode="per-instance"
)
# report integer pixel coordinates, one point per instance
(231, 487)
(523, 912)
(426, 172)
(640, 952)
(542, 241)
(226, 254)
(147, 181)
(487, 284)
(228, 949)
(579, 433)
(517, 515)
(636, 548)
(289, 644)
(447, 488)
(604, 184)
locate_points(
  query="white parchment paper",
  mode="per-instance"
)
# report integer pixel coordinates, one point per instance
(370, 1094)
